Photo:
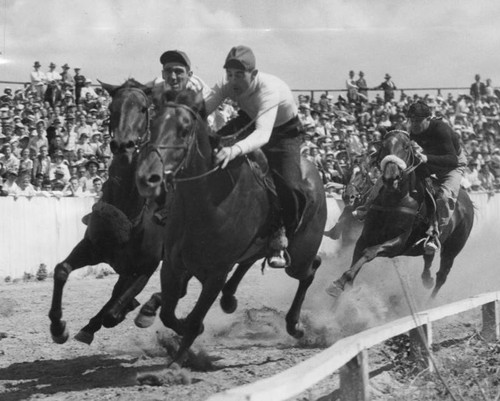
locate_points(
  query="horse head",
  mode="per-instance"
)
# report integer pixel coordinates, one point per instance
(128, 116)
(396, 158)
(174, 143)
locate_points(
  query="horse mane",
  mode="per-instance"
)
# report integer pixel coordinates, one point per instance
(187, 97)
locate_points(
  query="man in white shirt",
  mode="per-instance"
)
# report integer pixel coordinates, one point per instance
(267, 103)
(38, 81)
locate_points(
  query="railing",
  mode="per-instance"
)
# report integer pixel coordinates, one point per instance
(349, 355)
(314, 93)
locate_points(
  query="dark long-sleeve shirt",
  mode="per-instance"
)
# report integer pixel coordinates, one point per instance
(441, 146)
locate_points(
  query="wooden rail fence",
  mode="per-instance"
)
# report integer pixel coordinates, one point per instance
(349, 355)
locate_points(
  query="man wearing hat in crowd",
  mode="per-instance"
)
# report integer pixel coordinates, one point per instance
(38, 81)
(53, 91)
(268, 103)
(92, 167)
(40, 137)
(67, 81)
(176, 76)
(388, 86)
(79, 84)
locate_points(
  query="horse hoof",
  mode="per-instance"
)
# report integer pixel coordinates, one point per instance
(296, 331)
(228, 303)
(63, 336)
(334, 290)
(84, 337)
(144, 321)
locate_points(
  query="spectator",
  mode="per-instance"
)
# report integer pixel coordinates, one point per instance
(38, 81)
(362, 87)
(92, 167)
(388, 86)
(25, 163)
(67, 81)
(42, 163)
(79, 84)
(352, 88)
(40, 139)
(10, 186)
(8, 160)
(24, 187)
(73, 188)
(88, 149)
(53, 91)
(477, 89)
(59, 165)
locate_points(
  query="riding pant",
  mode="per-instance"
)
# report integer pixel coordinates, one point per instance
(283, 155)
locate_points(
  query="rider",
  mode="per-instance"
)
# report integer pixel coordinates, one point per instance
(440, 152)
(176, 76)
(267, 103)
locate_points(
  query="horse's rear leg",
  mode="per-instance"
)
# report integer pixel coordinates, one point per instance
(427, 279)
(444, 268)
(228, 301)
(293, 315)
(81, 255)
(147, 313)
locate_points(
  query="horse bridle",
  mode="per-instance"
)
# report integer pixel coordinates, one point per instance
(189, 147)
(144, 137)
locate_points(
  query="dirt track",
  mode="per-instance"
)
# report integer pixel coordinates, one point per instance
(128, 363)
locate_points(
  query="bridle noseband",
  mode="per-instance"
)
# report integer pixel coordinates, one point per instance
(189, 147)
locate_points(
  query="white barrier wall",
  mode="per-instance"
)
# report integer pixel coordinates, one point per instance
(45, 230)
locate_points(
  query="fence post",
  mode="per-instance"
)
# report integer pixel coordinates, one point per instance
(421, 343)
(491, 329)
(354, 378)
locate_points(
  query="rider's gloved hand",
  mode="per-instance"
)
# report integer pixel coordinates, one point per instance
(416, 147)
(226, 154)
(421, 156)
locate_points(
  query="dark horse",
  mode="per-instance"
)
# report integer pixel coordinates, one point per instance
(348, 228)
(222, 217)
(400, 216)
(120, 228)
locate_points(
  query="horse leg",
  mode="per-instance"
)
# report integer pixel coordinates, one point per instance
(444, 268)
(293, 315)
(81, 255)
(228, 301)
(193, 323)
(173, 282)
(427, 279)
(361, 256)
(336, 231)
(126, 302)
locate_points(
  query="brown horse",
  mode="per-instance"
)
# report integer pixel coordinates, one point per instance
(120, 230)
(400, 215)
(222, 217)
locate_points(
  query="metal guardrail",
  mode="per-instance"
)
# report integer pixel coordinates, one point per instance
(349, 355)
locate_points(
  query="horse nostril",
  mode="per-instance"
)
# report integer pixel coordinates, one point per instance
(154, 179)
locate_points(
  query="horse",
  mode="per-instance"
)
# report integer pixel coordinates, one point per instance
(355, 192)
(222, 217)
(400, 215)
(120, 228)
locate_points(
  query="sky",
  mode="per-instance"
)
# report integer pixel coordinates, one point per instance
(310, 44)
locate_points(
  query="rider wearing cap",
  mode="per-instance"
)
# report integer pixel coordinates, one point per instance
(176, 76)
(439, 150)
(266, 103)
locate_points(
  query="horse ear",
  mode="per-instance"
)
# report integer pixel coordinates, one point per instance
(108, 87)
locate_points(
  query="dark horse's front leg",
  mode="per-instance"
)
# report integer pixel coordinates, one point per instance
(122, 301)
(82, 255)
(228, 301)
(364, 255)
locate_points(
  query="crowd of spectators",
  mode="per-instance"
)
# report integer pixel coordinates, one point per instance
(55, 141)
